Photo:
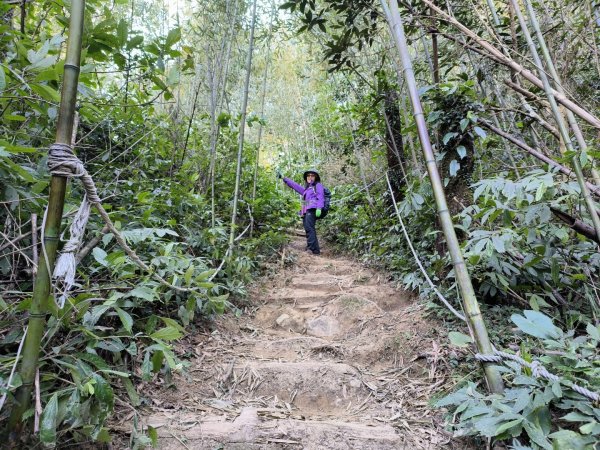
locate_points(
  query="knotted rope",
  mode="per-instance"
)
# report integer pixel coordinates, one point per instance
(537, 370)
(63, 162)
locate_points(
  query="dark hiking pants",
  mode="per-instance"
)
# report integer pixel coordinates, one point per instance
(309, 221)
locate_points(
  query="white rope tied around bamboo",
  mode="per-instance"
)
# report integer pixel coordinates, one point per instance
(537, 370)
(63, 162)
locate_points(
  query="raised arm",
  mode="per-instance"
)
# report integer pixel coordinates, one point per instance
(295, 186)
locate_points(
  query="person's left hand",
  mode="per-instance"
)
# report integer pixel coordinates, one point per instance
(318, 212)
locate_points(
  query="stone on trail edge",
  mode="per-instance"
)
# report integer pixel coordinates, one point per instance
(343, 362)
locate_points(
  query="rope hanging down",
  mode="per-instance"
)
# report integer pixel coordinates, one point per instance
(537, 370)
(416, 256)
(63, 162)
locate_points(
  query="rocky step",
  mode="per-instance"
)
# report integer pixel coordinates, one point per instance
(250, 430)
(310, 388)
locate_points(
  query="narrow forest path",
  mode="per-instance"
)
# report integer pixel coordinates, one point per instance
(330, 356)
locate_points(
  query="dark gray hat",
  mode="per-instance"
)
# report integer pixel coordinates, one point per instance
(317, 176)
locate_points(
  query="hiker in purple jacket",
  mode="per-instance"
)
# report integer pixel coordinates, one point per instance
(313, 200)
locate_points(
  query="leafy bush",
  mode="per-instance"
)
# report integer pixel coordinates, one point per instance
(535, 413)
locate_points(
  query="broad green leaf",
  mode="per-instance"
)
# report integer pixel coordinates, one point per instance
(480, 132)
(142, 292)
(173, 323)
(537, 324)
(507, 426)
(126, 319)
(462, 151)
(131, 392)
(460, 339)
(448, 136)
(593, 331)
(135, 41)
(454, 167)
(173, 37)
(167, 334)
(122, 30)
(46, 92)
(464, 124)
(100, 256)
(48, 421)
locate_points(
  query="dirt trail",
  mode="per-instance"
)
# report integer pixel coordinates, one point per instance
(330, 357)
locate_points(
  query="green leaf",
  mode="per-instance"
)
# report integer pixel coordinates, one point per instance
(135, 41)
(167, 334)
(173, 37)
(454, 168)
(480, 132)
(126, 319)
(153, 435)
(122, 30)
(100, 256)
(537, 324)
(46, 92)
(173, 323)
(462, 151)
(506, 426)
(143, 292)
(448, 136)
(593, 331)
(464, 124)
(459, 339)
(131, 392)
(2, 79)
(188, 274)
(49, 421)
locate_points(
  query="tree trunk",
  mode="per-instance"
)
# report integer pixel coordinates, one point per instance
(396, 160)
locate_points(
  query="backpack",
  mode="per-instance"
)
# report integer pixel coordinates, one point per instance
(327, 203)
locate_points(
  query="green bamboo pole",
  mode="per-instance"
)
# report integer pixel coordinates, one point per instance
(589, 202)
(58, 185)
(238, 171)
(473, 313)
(558, 83)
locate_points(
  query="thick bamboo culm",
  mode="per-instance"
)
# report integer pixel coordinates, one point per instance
(474, 318)
(562, 128)
(56, 199)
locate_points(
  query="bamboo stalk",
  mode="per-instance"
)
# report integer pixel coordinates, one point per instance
(475, 320)
(589, 202)
(238, 171)
(554, 74)
(37, 312)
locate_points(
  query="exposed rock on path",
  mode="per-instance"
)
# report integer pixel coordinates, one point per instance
(330, 357)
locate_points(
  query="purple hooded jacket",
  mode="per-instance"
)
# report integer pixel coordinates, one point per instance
(313, 195)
